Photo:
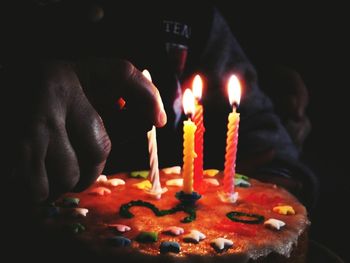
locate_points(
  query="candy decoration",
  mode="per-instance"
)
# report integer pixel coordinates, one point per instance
(77, 228)
(114, 182)
(102, 178)
(284, 210)
(175, 182)
(220, 244)
(194, 237)
(139, 174)
(241, 182)
(274, 223)
(100, 191)
(211, 172)
(172, 170)
(80, 212)
(236, 216)
(211, 181)
(169, 246)
(120, 228)
(147, 237)
(174, 230)
(70, 202)
(119, 241)
(144, 185)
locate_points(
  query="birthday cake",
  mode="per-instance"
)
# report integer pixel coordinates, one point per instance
(117, 218)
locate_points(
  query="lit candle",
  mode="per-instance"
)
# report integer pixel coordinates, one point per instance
(156, 189)
(197, 87)
(234, 92)
(188, 151)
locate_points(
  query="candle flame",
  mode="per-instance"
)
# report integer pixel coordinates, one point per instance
(234, 90)
(146, 73)
(188, 102)
(197, 86)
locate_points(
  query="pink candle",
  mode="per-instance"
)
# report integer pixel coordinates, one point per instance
(197, 87)
(234, 91)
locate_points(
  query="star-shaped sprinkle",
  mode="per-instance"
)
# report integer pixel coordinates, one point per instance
(119, 241)
(100, 191)
(77, 228)
(284, 210)
(139, 174)
(144, 185)
(175, 182)
(274, 223)
(80, 212)
(119, 227)
(194, 237)
(70, 202)
(169, 246)
(228, 197)
(211, 181)
(102, 178)
(174, 230)
(220, 244)
(210, 172)
(241, 176)
(115, 182)
(172, 170)
(147, 237)
(241, 182)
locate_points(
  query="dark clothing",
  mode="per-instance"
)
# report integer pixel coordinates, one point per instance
(172, 41)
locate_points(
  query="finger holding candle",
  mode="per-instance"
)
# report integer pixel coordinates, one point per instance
(156, 189)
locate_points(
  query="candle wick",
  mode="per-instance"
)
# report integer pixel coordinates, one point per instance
(234, 105)
(189, 116)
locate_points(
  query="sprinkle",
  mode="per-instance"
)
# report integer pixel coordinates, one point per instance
(172, 170)
(174, 230)
(210, 172)
(211, 181)
(70, 202)
(139, 174)
(241, 176)
(144, 185)
(194, 237)
(119, 227)
(77, 228)
(147, 237)
(169, 246)
(119, 241)
(175, 182)
(220, 244)
(115, 182)
(102, 178)
(241, 182)
(284, 210)
(80, 212)
(228, 197)
(100, 191)
(274, 223)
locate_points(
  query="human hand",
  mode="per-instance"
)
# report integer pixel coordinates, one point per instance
(61, 143)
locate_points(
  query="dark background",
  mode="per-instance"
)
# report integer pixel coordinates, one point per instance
(310, 38)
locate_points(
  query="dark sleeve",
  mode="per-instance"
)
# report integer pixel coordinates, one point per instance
(260, 128)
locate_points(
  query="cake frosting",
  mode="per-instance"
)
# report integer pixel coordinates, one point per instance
(116, 218)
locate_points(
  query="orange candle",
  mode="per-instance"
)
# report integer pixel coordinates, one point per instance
(234, 91)
(188, 144)
(197, 87)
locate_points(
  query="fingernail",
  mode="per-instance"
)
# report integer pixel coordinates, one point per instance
(162, 118)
